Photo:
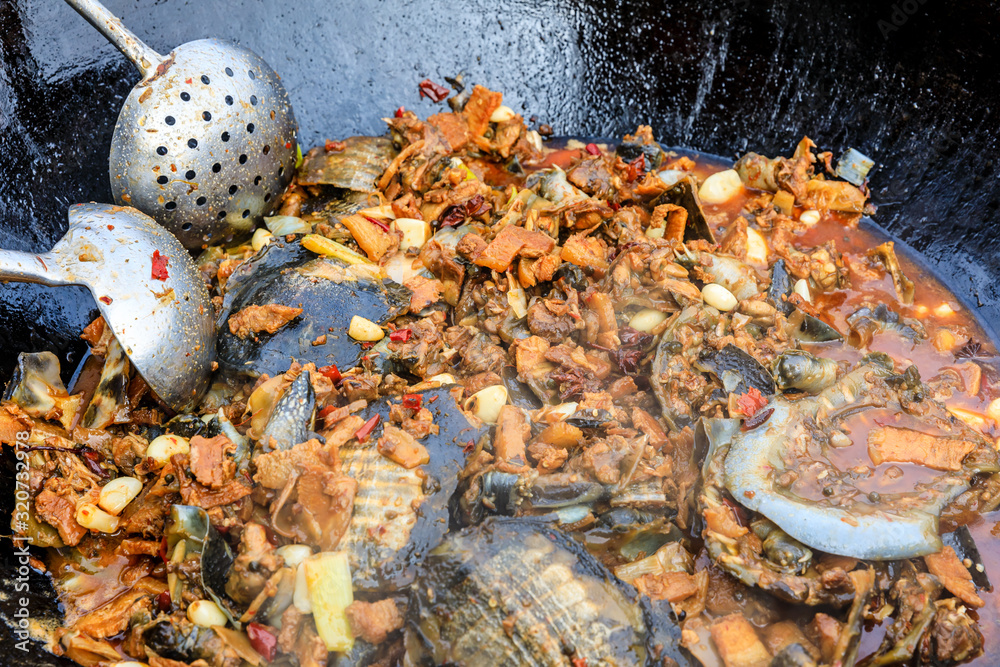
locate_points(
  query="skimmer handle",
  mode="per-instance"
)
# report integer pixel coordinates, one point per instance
(26, 267)
(109, 25)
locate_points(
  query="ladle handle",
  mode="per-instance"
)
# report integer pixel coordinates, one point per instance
(109, 25)
(26, 267)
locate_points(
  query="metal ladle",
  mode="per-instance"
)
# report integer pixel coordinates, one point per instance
(164, 326)
(205, 142)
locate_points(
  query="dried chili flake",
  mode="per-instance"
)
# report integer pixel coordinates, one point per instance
(636, 168)
(160, 266)
(435, 91)
(263, 640)
(163, 600)
(579, 662)
(750, 402)
(412, 401)
(367, 428)
(592, 149)
(574, 383)
(470, 446)
(615, 206)
(400, 335)
(400, 111)
(106, 300)
(163, 549)
(454, 215)
(971, 349)
(632, 349)
(331, 372)
(378, 223)
(325, 411)
(334, 146)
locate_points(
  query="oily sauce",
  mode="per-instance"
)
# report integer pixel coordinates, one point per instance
(948, 324)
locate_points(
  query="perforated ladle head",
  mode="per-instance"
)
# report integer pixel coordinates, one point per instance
(205, 142)
(164, 322)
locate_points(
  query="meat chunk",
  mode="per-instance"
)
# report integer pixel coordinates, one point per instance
(946, 566)
(425, 292)
(512, 430)
(399, 446)
(511, 242)
(209, 461)
(672, 586)
(268, 318)
(60, 512)
(903, 445)
(738, 644)
(374, 621)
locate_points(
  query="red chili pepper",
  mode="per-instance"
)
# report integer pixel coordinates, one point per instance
(750, 402)
(325, 411)
(401, 335)
(469, 447)
(106, 300)
(400, 111)
(160, 266)
(636, 168)
(413, 401)
(593, 149)
(163, 601)
(367, 428)
(288, 144)
(579, 662)
(615, 206)
(435, 91)
(378, 223)
(163, 549)
(263, 640)
(330, 372)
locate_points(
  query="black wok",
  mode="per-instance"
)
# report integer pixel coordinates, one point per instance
(912, 84)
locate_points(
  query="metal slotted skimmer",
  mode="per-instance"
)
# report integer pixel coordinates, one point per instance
(205, 142)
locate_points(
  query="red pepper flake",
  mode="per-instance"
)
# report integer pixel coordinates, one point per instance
(163, 601)
(263, 640)
(367, 428)
(160, 266)
(454, 215)
(750, 402)
(325, 411)
(412, 401)
(111, 228)
(401, 335)
(334, 146)
(331, 372)
(579, 662)
(163, 549)
(615, 206)
(435, 91)
(378, 223)
(400, 111)
(636, 168)
(188, 80)
(288, 144)
(432, 399)
(106, 300)
(469, 447)
(593, 149)
(758, 419)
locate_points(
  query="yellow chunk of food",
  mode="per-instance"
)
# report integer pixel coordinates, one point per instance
(324, 246)
(328, 580)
